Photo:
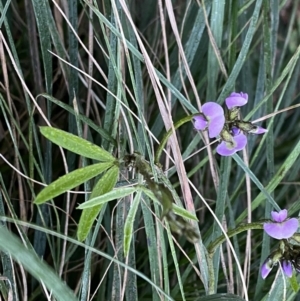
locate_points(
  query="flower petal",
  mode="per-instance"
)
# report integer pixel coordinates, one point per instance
(236, 100)
(213, 118)
(287, 268)
(223, 149)
(290, 227)
(215, 126)
(200, 123)
(282, 230)
(266, 268)
(241, 141)
(279, 216)
(212, 110)
(227, 149)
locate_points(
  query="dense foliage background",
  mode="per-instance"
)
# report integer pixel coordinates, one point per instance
(121, 73)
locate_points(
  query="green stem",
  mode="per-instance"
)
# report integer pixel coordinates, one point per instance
(211, 249)
(168, 134)
(242, 228)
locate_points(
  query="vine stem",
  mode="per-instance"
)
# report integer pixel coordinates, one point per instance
(211, 249)
(168, 134)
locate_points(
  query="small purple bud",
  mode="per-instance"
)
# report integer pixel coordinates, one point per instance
(235, 131)
(258, 130)
(266, 267)
(287, 268)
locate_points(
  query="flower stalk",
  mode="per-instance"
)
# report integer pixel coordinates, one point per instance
(168, 135)
(211, 249)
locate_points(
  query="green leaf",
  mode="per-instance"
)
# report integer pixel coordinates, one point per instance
(128, 227)
(76, 144)
(184, 213)
(177, 210)
(88, 216)
(71, 180)
(294, 283)
(112, 195)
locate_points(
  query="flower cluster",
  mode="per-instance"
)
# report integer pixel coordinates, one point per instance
(228, 125)
(287, 255)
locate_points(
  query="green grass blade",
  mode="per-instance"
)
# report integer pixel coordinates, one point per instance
(71, 180)
(73, 73)
(213, 60)
(40, 10)
(190, 48)
(8, 270)
(3, 14)
(76, 145)
(243, 53)
(113, 84)
(103, 133)
(280, 174)
(220, 297)
(136, 53)
(10, 244)
(94, 250)
(263, 190)
(222, 195)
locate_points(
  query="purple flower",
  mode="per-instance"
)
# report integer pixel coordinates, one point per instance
(231, 129)
(229, 147)
(236, 100)
(212, 118)
(269, 264)
(281, 227)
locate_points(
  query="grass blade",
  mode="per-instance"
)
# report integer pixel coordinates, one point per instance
(10, 244)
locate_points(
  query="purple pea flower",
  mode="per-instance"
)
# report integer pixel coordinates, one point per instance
(232, 142)
(281, 227)
(212, 118)
(236, 100)
(231, 129)
(269, 264)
